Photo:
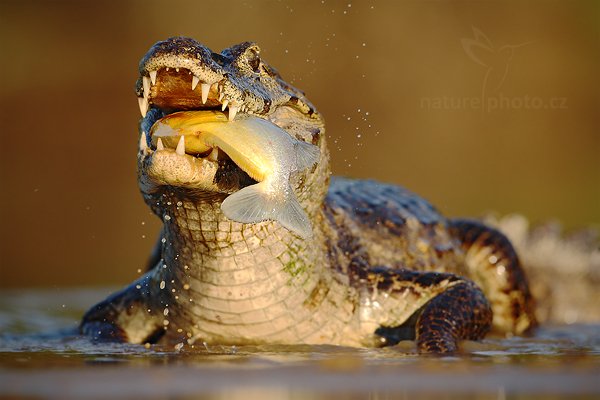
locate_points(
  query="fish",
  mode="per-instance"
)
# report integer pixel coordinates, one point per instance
(260, 148)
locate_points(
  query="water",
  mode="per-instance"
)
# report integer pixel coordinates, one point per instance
(41, 356)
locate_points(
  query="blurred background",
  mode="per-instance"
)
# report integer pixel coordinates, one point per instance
(477, 106)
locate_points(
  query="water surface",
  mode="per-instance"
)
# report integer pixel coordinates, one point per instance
(41, 356)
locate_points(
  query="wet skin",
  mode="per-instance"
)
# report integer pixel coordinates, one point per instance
(380, 265)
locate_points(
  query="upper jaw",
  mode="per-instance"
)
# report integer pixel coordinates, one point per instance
(174, 88)
(182, 74)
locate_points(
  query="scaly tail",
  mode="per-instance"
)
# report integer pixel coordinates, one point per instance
(493, 264)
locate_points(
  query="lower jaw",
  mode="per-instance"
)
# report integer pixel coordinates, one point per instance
(165, 168)
(189, 177)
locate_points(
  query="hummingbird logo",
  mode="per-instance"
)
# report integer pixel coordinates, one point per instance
(496, 61)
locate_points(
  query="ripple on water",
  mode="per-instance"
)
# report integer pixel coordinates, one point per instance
(39, 346)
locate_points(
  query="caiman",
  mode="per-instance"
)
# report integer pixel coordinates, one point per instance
(379, 264)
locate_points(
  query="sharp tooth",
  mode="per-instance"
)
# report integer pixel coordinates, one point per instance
(143, 142)
(224, 105)
(146, 82)
(143, 103)
(159, 145)
(180, 146)
(195, 81)
(232, 111)
(153, 77)
(176, 69)
(214, 154)
(205, 89)
(166, 69)
(221, 96)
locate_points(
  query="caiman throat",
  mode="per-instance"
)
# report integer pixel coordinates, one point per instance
(261, 246)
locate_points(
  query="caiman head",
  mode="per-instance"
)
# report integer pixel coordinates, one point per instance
(180, 74)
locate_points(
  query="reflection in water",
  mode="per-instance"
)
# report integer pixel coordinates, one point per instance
(39, 347)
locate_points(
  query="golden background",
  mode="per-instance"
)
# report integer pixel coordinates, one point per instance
(399, 83)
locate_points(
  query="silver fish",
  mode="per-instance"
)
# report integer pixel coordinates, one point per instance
(260, 148)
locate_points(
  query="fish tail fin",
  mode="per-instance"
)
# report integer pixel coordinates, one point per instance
(253, 204)
(307, 155)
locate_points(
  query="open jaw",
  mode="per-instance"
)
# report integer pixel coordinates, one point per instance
(235, 88)
(168, 161)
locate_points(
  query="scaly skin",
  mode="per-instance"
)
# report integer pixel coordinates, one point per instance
(382, 265)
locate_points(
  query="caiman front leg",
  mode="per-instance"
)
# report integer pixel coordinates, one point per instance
(459, 313)
(438, 310)
(130, 315)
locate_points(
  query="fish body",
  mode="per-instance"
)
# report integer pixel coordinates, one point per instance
(264, 151)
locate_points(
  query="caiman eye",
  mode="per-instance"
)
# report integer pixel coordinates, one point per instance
(254, 64)
(253, 58)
